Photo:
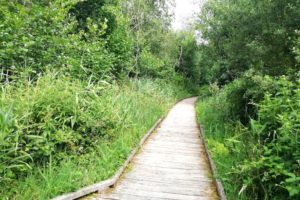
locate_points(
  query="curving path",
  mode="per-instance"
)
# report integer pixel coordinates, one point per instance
(171, 165)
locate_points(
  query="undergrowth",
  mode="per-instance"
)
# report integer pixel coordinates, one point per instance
(258, 157)
(59, 134)
(223, 142)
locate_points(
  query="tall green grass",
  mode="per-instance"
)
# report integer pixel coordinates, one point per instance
(256, 153)
(60, 134)
(224, 134)
(224, 143)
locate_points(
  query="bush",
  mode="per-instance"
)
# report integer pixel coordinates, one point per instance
(57, 120)
(225, 137)
(263, 159)
(46, 35)
(51, 119)
(274, 170)
(150, 65)
(237, 100)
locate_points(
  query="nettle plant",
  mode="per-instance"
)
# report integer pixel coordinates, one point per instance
(274, 168)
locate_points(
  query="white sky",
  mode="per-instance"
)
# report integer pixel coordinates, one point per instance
(185, 12)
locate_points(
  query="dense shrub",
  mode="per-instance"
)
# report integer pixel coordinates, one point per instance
(260, 157)
(56, 118)
(151, 66)
(274, 170)
(238, 99)
(69, 115)
(239, 35)
(248, 111)
(41, 36)
(51, 119)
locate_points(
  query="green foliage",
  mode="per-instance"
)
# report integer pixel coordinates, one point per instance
(57, 119)
(236, 101)
(40, 37)
(188, 58)
(52, 119)
(83, 39)
(151, 66)
(263, 159)
(69, 114)
(155, 47)
(245, 48)
(242, 35)
(276, 163)
(226, 141)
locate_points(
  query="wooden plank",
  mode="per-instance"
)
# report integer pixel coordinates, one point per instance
(183, 183)
(129, 197)
(140, 194)
(163, 189)
(173, 139)
(173, 159)
(184, 137)
(171, 165)
(178, 131)
(181, 156)
(176, 151)
(87, 190)
(189, 184)
(174, 144)
(202, 189)
(172, 178)
(169, 170)
(169, 146)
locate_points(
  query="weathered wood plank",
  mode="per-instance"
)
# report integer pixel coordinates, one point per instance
(172, 151)
(171, 159)
(169, 170)
(140, 194)
(130, 197)
(164, 189)
(202, 189)
(173, 139)
(173, 178)
(165, 172)
(174, 144)
(170, 165)
(182, 183)
(182, 156)
(170, 146)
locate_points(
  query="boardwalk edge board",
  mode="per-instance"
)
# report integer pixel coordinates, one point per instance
(218, 183)
(103, 185)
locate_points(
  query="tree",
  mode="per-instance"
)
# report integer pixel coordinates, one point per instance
(251, 34)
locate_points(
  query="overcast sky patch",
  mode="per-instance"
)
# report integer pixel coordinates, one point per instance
(185, 12)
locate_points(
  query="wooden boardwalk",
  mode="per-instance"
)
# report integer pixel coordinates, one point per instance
(171, 165)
